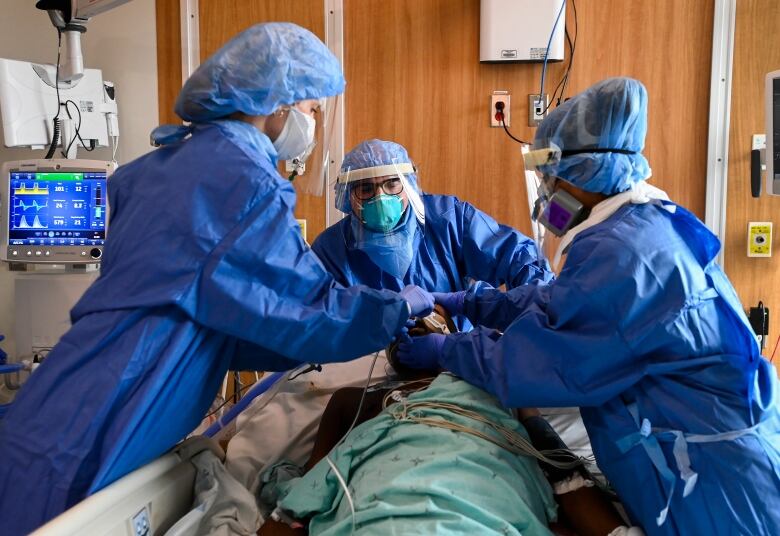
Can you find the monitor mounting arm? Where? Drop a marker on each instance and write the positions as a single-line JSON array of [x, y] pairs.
[[70, 18]]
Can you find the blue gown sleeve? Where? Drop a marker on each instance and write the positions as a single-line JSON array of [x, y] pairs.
[[498, 254], [330, 248], [262, 284], [568, 347], [248, 356], [496, 309]]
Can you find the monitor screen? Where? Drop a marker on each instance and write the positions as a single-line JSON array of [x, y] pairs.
[[57, 209]]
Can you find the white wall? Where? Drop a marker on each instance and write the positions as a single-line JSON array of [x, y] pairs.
[[122, 43]]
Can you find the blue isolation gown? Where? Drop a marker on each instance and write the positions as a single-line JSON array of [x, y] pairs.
[[458, 244], [644, 331], [204, 270]]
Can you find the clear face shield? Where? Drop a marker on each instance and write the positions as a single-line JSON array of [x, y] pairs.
[[310, 169], [553, 211], [386, 210]]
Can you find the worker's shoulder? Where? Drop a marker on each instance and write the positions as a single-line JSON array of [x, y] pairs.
[[243, 168], [332, 235], [440, 204], [639, 229]]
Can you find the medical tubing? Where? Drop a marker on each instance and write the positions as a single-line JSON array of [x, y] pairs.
[[512, 441], [10, 368], [233, 412], [342, 481], [343, 484], [362, 399]]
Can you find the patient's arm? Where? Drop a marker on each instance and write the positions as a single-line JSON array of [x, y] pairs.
[[335, 422], [338, 416], [587, 510], [274, 528]]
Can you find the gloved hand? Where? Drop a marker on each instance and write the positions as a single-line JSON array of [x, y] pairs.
[[420, 301], [422, 352], [452, 301]]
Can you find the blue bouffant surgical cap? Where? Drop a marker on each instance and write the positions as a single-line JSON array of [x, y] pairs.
[[368, 154], [262, 68], [611, 114]]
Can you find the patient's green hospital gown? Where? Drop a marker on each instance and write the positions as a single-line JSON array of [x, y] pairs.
[[411, 478]]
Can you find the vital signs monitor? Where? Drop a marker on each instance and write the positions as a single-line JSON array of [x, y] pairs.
[[54, 211]]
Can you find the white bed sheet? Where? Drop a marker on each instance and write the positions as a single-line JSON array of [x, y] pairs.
[[287, 426], [567, 422]]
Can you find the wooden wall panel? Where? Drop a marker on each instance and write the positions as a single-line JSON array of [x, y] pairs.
[[413, 76], [756, 52], [168, 58], [220, 20]]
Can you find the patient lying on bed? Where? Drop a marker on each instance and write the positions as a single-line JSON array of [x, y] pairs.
[[427, 457]]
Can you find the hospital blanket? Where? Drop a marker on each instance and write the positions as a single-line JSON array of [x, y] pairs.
[[410, 478]]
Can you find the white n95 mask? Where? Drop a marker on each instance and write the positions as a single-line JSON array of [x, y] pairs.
[[297, 137]]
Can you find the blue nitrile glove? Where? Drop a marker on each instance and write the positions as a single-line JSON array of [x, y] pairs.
[[404, 336], [420, 301], [422, 352], [451, 301]]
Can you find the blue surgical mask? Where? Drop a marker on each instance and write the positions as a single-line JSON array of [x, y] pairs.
[[382, 213]]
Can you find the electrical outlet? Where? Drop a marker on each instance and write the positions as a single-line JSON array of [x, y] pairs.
[[500, 96], [760, 239], [537, 109]]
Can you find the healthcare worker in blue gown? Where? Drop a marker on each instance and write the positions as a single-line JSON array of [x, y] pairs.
[[642, 329], [204, 270], [395, 235]]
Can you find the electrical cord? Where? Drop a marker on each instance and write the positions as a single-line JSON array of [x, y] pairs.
[[500, 119], [561, 82], [238, 386], [771, 360], [231, 399], [572, 49], [547, 50], [503, 124], [91, 146], [55, 135], [509, 439]]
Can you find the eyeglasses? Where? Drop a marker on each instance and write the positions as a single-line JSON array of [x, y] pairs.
[[365, 190]]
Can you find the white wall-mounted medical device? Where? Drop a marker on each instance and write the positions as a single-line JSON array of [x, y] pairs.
[[772, 98], [512, 31], [29, 104], [54, 211]]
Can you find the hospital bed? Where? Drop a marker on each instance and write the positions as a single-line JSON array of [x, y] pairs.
[[157, 498]]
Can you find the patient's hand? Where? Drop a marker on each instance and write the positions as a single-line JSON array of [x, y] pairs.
[[274, 528], [527, 413]]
